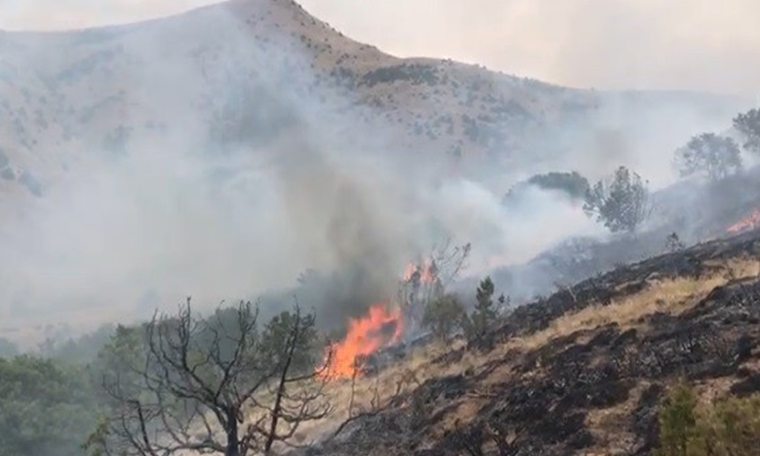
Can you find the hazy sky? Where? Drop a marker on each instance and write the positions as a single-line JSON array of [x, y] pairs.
[[711, 45]]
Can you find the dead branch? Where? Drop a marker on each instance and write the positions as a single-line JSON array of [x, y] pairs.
[[201, 377]]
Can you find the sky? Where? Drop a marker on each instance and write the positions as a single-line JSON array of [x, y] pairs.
[[704, 45]]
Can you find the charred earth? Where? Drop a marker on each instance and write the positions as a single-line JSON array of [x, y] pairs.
[[585, 370]]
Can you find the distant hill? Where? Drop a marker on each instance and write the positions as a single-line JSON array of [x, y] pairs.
[[243, 72]]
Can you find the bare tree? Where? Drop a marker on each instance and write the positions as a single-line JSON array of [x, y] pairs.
[[673, 243], [450, 260], [210, 386], [430, 278]]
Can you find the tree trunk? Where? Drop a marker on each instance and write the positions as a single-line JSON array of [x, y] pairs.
[[233, 442]]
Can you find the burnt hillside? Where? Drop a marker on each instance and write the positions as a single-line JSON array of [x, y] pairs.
[[583, 371]]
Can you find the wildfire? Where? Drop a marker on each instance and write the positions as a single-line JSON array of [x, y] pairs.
[[380, 328], [426, 273], [383, 326], [429, 272], [409, 272], [749, 223]]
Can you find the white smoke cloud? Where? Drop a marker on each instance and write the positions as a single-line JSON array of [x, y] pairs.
[[181, 214]]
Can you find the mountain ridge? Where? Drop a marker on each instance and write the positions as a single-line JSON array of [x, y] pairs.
[[461, 111]]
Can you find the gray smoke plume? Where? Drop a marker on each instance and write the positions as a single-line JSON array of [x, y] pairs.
[[233, 168]]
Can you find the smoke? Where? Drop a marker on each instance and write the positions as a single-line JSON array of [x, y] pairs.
[[230, 171], [49, 15]]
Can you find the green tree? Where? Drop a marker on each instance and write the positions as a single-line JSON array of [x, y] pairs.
[[572, 184], [274, 340], [730, 427], [733, 427], [678, 423], [482, 319], [46, 408], [83, 349], [622, 205], [443, 316], [7, 348], [485, 313], [116, 361], [748, 125], [717, 157]]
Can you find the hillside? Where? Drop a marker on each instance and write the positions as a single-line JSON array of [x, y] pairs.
[[581, 372], [694, 211], [249, 150], [244, 73]]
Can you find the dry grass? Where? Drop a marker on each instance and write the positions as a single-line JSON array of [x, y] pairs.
[[668, 296], [372, 393], [606, 425]]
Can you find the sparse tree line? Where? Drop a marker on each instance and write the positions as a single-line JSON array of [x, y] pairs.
[[717, 156], [226, 383], [621, 202]]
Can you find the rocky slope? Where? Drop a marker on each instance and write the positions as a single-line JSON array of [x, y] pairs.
[[583, 371], [244, 72]]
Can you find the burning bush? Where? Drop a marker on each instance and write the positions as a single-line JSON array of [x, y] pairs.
[[749, 223], [381, 328], [422, 283]]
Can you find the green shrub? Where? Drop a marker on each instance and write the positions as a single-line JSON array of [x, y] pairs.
[[443, 316], [478, 325], [678, 423], [46, 408], [730, 427]]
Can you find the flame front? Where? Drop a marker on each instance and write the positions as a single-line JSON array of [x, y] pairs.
[[380, 328], [749, 223]]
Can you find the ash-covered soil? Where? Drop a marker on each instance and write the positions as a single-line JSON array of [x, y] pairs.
[[585, 370]]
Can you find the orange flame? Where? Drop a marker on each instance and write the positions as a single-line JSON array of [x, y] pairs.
[[380, 328], [749, 223], [411, 268], [427, 272]]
